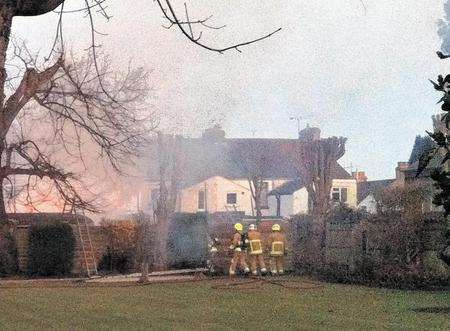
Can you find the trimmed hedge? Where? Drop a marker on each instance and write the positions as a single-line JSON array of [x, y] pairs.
[[187, 242], [388, 249], [117, 261], [122, 241], [51, 249], [8, 255]]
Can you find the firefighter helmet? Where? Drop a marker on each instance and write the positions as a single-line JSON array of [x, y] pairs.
[[276, 227], [252, 227], [238, 227]]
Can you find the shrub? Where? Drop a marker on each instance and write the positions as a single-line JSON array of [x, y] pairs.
[[51, 249], [187, 241], [8, 253], [114, 261], [122, 239], [395, 248]]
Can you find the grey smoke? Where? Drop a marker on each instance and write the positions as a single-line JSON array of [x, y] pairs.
[[444, 29]]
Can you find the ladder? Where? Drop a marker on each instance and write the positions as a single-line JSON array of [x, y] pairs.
[[90, 264]]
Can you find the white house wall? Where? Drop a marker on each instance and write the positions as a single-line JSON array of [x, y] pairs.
[[300, 202], [216, 189], [297, 203], [369, 204]]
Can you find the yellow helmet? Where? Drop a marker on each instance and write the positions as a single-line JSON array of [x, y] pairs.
[[238, 227], [276, 227]]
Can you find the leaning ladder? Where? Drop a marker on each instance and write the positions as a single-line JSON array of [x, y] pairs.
[[90, 272]]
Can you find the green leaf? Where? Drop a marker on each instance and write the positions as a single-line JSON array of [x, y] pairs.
[[436, 86], [425, 159], [439, 138]]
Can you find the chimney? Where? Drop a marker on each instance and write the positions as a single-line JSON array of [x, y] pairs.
[[360, 176], [214, 134], [400, 171]]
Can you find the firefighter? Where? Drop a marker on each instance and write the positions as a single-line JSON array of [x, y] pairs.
[[256, 250], [238, 247], [212, 256], [277, 249]]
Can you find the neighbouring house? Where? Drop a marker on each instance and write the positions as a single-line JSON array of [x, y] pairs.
[[367, 191], [405, 174], [291, 198], [214, 175]]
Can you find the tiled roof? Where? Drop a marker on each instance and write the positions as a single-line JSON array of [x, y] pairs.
[[288, 188], [236, 158], [366, 188]]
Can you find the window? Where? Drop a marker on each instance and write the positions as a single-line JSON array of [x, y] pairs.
[[339, 194], [201, 200], [231, 198]]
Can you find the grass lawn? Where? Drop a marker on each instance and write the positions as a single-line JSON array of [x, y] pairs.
[[194, 306]]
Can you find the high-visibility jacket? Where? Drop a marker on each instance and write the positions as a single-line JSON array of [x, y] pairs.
[[255, 243], [277, 243], [236, 242]]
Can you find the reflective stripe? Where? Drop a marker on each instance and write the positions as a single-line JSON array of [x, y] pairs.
[[277, 248], [255, 247]]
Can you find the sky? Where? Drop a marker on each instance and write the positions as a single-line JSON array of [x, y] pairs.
[[355, 69]]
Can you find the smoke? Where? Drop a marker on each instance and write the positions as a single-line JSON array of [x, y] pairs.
[[444, 29]]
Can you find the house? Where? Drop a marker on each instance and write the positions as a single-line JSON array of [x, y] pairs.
[[367, 191], [291, 198], [406, 174], [215, 174]]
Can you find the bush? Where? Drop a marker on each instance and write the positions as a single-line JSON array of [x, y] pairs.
[[8, 253], [394, 248], [117, 261], [187, 241], [51, 250], [122, 240]]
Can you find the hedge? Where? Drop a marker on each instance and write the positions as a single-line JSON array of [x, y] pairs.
[[8, 255], [51, 249], [187, 241]]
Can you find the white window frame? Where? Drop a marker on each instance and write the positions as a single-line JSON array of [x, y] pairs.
[[339, 190]]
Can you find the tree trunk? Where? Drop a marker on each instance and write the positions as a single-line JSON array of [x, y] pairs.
[[2, 179], [161, 261], [2, 202], [6, 15]]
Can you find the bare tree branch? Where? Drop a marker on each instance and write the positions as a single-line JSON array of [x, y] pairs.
[[171, 16]]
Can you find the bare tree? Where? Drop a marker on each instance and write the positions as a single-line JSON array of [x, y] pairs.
[[71, 111], [79, 102], [315, 160], [170, 157], [256, 158]]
